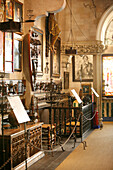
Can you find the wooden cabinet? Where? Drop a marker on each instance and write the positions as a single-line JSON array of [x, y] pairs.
[[14, 145]]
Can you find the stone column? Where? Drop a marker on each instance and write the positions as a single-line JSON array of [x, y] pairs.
[[97, 82]]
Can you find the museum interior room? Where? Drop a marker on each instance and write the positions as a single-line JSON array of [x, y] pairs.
[[56, 84]]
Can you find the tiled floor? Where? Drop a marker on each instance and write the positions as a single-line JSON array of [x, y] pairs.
[[51, 161]]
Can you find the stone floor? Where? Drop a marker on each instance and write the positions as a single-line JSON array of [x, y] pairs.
[[51, 160]]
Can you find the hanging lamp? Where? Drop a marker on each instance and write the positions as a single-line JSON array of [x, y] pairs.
[[71, 51]]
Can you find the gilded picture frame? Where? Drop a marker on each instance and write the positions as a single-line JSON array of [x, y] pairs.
[[9, 10], [18, 11], [86, 89]]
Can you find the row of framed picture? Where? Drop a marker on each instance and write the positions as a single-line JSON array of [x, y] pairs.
[[11, 10], [10, 43]]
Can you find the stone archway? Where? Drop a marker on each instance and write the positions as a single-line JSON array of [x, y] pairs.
[[105, 21]]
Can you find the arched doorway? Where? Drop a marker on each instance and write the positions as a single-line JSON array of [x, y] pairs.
[[105, 34]]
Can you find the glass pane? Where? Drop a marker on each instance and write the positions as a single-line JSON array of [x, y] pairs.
[[8, 67], [108, 75], [8, 46], [17, 54], [1, 51]]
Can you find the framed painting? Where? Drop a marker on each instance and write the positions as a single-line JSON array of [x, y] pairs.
[[55, 59], [17, 52], [18, 11], [9, 10], [82, 68], [66, 80], [36, 50], [1, 11], [86, 89]]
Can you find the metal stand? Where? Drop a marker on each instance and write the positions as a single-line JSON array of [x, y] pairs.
[[25, 133], [2, 111]]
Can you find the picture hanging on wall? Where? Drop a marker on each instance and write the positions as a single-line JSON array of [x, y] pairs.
[[18, 11], [55, 59], [66, 80], [36, 54], [9, 10], [86, 88], [82, 68], [36, 50], [1, 12]]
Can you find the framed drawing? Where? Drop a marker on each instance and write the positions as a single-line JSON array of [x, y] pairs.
[[66, 80], [17, 52], [82, 68], [36, 50], [9, 10], [18, 11], [55, 59], [36, 54]]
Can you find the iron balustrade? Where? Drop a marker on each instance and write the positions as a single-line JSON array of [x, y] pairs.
[[65, 117]]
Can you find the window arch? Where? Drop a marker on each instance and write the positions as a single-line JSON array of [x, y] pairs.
[[104, 23]]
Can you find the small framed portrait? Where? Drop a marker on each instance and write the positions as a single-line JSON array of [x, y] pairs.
[[86, 89], [66, 80], [82, 68], [55, 59], [9, 10], [1, 11], [18, 11]]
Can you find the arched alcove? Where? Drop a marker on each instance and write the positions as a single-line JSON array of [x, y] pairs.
[[104, 34], [103, 24]]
